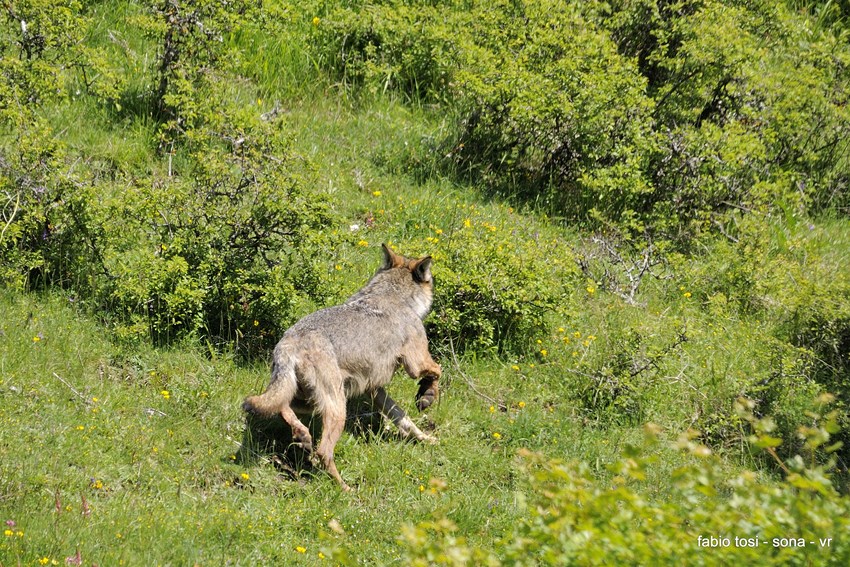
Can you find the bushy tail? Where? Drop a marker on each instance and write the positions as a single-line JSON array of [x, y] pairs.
[[281, 390]]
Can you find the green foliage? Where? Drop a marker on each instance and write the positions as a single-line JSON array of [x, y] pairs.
[[221, 240], [553, 107], [574, 517], [493, 289], [229, 253], [640, 113], [182, 172], [388, 45], [749, 102], [192, 57]]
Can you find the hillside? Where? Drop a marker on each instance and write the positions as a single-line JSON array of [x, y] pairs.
[[638, 218]]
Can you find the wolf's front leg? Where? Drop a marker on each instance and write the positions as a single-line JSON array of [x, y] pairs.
[[420, 366], [428, 391], [391, 409]]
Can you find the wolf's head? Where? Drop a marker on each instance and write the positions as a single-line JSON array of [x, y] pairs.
[[401, 280]]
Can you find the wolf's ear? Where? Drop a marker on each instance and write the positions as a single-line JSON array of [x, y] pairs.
[[391, 259], [422, 270]]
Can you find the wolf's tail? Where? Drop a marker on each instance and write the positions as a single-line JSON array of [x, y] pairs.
[[281, 390]]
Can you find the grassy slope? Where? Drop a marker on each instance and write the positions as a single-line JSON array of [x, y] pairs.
[[159, 471], [84, 417]]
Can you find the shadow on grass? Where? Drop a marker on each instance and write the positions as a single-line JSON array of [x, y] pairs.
[[271, 438]]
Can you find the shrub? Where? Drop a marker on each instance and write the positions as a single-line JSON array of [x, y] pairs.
[[554, 108], [228, 246], [573, 517], [406, 47], [749, 102], [221, 239], [494, 280]]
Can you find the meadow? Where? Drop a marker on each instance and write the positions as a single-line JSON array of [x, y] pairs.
[[637, 213]]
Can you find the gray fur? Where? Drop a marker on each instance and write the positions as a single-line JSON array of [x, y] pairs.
[[353, 349]]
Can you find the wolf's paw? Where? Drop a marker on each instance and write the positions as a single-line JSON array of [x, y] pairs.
[[425, 438], [425, 402], [304, 441], [427, 393]]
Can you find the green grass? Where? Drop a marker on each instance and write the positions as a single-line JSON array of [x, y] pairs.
[[149, 438]]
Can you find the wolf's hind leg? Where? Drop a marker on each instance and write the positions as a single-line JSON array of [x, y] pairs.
[[300, 434], [390, 409], [333, 422]]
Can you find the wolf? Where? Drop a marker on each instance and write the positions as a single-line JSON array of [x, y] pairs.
[[353, 349]]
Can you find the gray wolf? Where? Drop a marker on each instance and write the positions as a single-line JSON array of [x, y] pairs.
[[353, 349]]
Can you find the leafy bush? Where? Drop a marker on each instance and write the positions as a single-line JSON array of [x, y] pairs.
[[552, 106], [193, 55], [573, 517], [229, 252], [222, 240], [497, 278], [388, 45], [642, 113], [33, 189], [750, 104]]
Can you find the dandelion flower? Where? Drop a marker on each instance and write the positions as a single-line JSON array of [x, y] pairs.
[[301, 549], [376, 193], [362, 243], [543, 352], [166, 394], [521, 405], [515, 367], [497, 435], [245, 476], [316, 21]]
